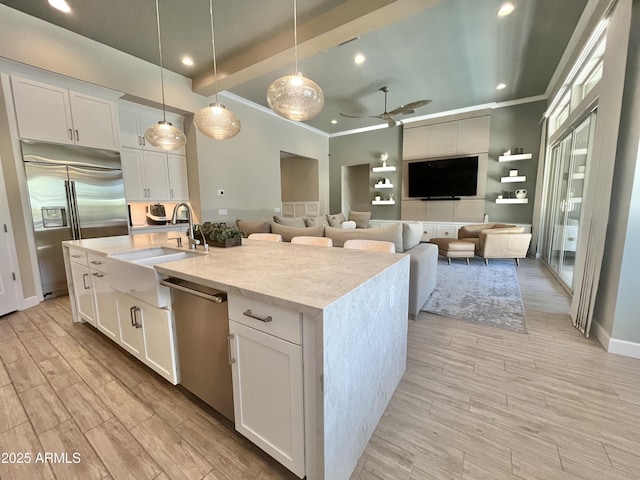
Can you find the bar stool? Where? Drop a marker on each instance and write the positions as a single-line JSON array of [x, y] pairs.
[[270, 237], [373, 245]]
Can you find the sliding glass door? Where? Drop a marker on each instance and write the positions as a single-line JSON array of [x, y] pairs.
[[567, 174]]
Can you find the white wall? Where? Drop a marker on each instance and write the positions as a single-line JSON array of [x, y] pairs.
[[247, 166]]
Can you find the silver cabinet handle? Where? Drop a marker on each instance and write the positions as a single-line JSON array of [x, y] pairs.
[[99, 275], [76, 256], [248, 313], [139, 140], [149, 192], [95, 262], [70, 134], [84, 280], [77, 136], [171, 193], [144, 141], [231, 359], [134, 317]]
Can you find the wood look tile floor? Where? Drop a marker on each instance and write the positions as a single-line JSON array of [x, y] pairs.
[[475, 403]]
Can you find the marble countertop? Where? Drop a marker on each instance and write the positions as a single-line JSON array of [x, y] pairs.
[[304, 278]]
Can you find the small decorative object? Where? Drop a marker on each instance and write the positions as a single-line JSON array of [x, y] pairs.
[[500, 197], [387, 181], [513, 172], [391, 197], [219, 234], [485, 219], [378, 196], [508, 152], [581, 169], [384, 157], [521, 193]]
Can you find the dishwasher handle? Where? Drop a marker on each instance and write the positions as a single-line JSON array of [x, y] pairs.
[[195, 289]]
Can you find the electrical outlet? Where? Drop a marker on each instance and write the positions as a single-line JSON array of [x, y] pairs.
[[276, 210], [221, 192], [223, 211]]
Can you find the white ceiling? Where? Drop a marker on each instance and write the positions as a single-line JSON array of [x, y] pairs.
[[453, 52]]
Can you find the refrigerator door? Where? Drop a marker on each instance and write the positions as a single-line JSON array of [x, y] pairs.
[[51, 222], [100, 206]]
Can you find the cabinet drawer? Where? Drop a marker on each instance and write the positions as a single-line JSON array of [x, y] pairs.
[[428, 232], [447, 231], [78, 255], [97, 262], [276, 321]]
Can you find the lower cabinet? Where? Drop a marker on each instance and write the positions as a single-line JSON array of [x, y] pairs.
[[268, 394], [82, 288], [106, 308], [148, 333]]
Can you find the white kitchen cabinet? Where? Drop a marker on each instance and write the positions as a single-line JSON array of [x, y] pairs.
[[130, 321], [447, 231], [178, 181], [268, 393], [53, 114], [104, 298], [133, 124], [82, 287], [145, 175]]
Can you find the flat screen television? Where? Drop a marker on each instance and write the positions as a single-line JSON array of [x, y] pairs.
[[450, 177]]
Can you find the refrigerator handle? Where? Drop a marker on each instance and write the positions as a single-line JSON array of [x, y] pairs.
[[70, 188]]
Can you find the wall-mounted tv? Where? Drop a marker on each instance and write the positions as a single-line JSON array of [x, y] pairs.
[[450, 177]]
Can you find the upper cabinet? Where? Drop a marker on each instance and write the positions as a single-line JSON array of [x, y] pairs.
[[459, 137], [133, 124], [54, 114]]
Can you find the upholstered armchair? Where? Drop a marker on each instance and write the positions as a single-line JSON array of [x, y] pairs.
[[497, 240]]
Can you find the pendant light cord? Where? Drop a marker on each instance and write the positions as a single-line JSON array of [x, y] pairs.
[[164, 113], [295, 34], [213, 47]]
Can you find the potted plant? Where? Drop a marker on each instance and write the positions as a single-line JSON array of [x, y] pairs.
[[219, 234]]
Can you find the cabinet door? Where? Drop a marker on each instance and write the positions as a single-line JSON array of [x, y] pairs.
[[82, 288], [130, 322], [268, 394], [178, 182], [95, 122], [159, 341], [145, 120], [106, 307], [473, 135], [130, 135], [42, 111], [443, 139], [133, 175], [154, 166], [446, 230], [415, 143]]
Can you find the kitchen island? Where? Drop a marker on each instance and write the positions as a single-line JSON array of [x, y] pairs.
[[340, 316]]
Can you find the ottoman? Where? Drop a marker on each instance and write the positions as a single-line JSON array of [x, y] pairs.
[[454, 248]]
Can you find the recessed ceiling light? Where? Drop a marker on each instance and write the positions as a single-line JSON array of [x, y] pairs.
[[506, 9], [188, 61], [359, 59], [334, 121], [61, 5], [501, 86]]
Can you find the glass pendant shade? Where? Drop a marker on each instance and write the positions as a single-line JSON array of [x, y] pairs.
[[165, 136], [216, 122], [295, 97]]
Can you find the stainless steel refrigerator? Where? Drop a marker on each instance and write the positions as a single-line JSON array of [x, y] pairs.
[[75, 193]]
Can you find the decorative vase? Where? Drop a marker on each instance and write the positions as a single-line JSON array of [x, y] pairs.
[[378, 197], [521, 193]]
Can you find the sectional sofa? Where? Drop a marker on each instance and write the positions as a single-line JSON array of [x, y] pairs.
[[405, 235]]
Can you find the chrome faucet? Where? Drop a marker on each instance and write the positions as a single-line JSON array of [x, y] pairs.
[[174, 219]]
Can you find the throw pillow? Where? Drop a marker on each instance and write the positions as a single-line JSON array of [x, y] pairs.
[[411, 234], [253, 226], [361, 218], [336, 219], [389, 233], [288, 232], [315, 221], [290, 221], [349, 225]]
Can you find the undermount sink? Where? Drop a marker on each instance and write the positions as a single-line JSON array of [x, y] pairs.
[[133, 273]]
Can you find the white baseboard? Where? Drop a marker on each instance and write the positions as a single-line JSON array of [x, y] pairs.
[[28, 302], [615, 346]]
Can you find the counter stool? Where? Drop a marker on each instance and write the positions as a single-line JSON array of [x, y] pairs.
[[454, 248]]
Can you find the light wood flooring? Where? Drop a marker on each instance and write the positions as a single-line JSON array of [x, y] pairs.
[[476, 402]]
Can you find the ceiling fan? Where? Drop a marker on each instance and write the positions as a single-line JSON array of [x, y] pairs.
[[388, 116]]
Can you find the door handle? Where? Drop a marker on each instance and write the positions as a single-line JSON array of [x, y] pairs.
[[229, 338], [249, 314], [84, 280]]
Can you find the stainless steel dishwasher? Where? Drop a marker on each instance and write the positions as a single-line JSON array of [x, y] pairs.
[[202, 328]]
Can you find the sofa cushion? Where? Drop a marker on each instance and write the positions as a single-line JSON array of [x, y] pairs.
[[411, 234], [348, 225], [290, 221], [336, 219], [288, 232], [361, 218], [388, 233], [253, 226], [315, 221]]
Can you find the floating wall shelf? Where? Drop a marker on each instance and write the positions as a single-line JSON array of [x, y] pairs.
[[520, 178], [383, 202], [513, 158], [384, 169], [383, 185], [512, 200], [578, 176]]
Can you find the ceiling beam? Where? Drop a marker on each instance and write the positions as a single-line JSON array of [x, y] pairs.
[[351, 19]]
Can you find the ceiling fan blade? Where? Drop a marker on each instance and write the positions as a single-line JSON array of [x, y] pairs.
[[409, 107], [350, 116]]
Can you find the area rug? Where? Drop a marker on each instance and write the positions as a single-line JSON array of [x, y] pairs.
[[487, 295]]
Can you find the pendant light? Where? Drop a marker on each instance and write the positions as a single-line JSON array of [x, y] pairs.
[[163, 135], [294, 96], [215, 121]]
